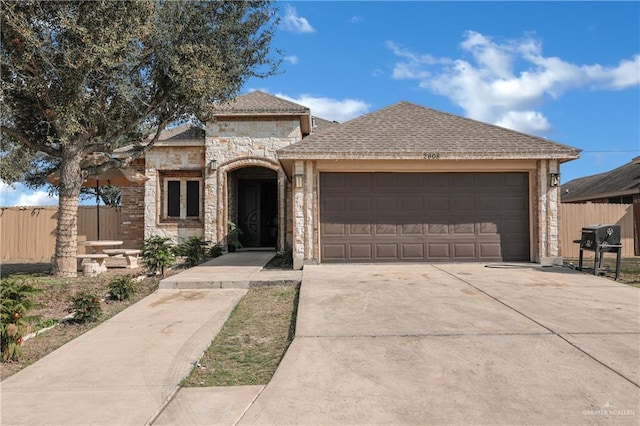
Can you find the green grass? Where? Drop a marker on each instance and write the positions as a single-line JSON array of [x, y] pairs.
[[252, 342], [629, 268]]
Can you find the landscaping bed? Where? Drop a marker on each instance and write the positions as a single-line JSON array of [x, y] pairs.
[[54, 304]]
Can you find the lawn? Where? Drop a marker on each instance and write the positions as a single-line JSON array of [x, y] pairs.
[[629, 268]]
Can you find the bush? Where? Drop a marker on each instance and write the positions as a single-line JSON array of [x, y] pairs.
[[16, 300], [193, 249], [215, 251], [157, 254], [122, 288], [85, 306]]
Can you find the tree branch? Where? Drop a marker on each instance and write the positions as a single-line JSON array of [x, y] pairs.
[[24, 140]]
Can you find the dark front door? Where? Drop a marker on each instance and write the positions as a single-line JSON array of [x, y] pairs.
[[257, 212]]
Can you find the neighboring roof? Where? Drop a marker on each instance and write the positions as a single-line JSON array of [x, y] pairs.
[[320, 124], [411, 131], [186, 134], [259, 103], [625, 180], [186, 131]]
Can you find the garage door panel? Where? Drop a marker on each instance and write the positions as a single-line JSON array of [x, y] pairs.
[[412, 251], [386, 227], [464, 251], [463, 228], [412, 229], [386, 251], [490, 251], [424, 216], [334, 252], [333, 229], [332, 206], [359, 205], [437, 229], [410, 204], [360, 229], [360, 252], [385, 205], [438, 251]]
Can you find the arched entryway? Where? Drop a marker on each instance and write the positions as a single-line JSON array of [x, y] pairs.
[[251, 193], [254, 191]]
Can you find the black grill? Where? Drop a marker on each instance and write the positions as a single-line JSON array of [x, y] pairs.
[[599, 236], [600, 239]]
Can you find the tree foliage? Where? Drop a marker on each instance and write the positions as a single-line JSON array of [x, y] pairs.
[[80, 77]]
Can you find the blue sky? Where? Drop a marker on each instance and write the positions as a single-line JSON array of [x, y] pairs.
[[566, 71]]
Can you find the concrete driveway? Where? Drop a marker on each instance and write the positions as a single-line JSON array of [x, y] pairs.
[[457, 344]]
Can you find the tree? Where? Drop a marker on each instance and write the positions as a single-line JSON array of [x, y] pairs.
[[80, 77]]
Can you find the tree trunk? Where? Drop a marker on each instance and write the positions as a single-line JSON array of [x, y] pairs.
[[65, 263]]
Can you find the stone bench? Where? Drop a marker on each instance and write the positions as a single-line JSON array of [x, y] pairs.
[[131, 255], [98, 258]]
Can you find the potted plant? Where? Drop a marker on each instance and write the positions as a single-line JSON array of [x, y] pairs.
[[233, 243]]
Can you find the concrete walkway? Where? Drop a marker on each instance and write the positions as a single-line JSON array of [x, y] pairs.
[[457, 344], [124, 371]]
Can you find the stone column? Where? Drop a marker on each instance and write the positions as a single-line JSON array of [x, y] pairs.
[[548, 215], [298, 195]]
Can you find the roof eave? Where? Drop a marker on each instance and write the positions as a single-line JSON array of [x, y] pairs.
[[372, 155], [610, 194]]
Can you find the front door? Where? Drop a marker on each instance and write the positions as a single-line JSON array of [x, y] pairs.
[[257, 212]]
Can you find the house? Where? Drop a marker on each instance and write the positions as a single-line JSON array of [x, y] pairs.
[[404, 183], [618, 186]]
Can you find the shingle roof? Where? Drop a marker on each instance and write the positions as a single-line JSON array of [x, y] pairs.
[[322, 124], [624, 180], [259, 103], [413, 131]]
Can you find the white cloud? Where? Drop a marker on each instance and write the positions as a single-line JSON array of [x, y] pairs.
[[504, 82], [356, 19], [525, 121], [330, 109], [292, 59], [19, 195], [294, 23]]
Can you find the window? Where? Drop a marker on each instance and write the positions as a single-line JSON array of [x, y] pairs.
[[182, 197]]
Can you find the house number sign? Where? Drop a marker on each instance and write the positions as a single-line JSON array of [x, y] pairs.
[[431, 155]]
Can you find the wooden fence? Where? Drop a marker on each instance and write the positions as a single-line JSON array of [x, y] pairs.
[[575, 216], [29, 233]]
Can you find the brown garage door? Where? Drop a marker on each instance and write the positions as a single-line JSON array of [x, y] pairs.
[[377, 217]]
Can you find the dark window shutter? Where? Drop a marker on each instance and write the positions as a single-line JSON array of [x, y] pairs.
[[173, 198], [193, 198]]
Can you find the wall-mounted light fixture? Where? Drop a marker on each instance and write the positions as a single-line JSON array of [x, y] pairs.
[[213, 164], [299, 180], [554, 179]]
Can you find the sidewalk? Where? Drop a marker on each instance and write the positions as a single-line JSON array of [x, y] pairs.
[[128, 368]]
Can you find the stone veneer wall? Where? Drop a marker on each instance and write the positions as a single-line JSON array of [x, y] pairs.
[[233, 139], [168, 158]]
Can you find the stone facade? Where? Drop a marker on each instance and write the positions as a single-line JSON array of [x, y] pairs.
[[232, 147]]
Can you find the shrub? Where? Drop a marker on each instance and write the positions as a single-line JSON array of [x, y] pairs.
[[16, 300], [85, 306], [215, 251], [194, 249], [122, 288], [157, 254]]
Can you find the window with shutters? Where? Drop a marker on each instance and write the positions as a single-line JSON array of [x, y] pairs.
[[181, 196]]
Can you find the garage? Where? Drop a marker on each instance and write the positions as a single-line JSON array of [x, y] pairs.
[[413, 217]]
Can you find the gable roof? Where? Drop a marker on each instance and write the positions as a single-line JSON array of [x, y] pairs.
[[259, 103], [409, 131], [624, 180]]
